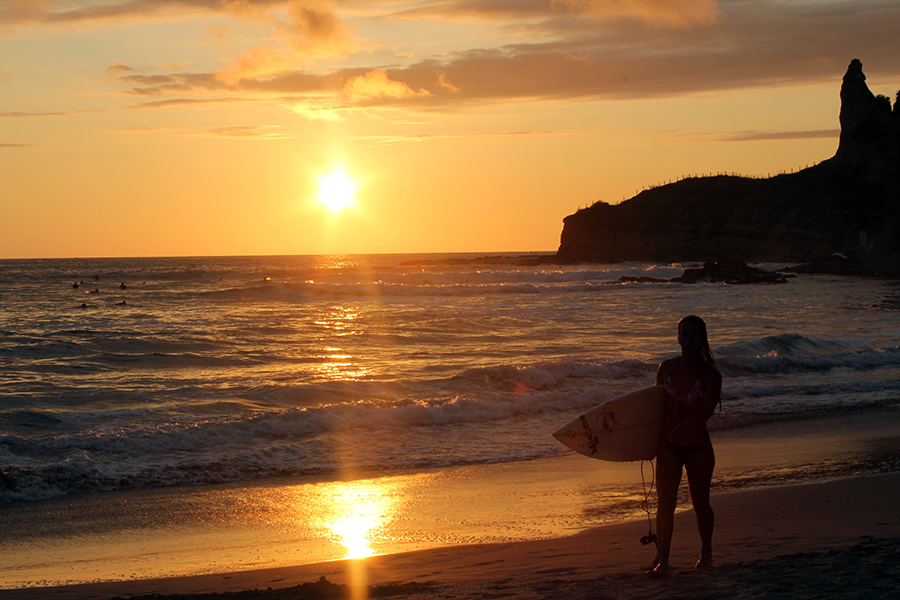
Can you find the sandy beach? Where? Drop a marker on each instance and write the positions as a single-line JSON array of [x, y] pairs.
[[837, 539]]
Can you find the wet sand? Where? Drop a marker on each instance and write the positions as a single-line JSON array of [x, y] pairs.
[[835, 539]]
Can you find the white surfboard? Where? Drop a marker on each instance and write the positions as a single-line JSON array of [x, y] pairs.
[[623, 429]]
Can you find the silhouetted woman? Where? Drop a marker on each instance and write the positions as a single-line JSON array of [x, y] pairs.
[[693, 387]]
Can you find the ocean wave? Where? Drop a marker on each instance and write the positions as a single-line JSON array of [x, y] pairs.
[[485, 414], [190, 433], [545, 376], [794, 353], [327, 441], [108, 450], [787, 344]]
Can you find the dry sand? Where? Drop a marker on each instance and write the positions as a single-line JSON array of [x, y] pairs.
[[838, 539]]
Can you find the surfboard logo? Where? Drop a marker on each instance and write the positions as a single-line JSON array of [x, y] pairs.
[[591, 438], [635, 419], [609, 420]]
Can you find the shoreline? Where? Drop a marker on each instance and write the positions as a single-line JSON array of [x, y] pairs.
[[764, 526]]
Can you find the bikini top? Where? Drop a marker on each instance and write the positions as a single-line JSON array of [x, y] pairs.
[[693, 396]]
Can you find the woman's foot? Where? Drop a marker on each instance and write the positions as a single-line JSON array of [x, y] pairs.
[[658, 572], [706, 560]]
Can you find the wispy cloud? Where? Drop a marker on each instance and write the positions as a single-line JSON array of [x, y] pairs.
[[117, 70], [677, 13], [25, 115], [173, 102], [91, 11], [29, 115], [310, 30], [765, 136], [392, 139], [256, 132]]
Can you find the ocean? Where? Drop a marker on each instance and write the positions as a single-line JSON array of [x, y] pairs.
[[183, 381]]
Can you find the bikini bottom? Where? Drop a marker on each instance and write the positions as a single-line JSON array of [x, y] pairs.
[[685, 452]]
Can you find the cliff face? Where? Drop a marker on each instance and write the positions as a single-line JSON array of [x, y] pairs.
[[849, 204]]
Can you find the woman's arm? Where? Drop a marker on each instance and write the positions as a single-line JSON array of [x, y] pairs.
[[665, 368], [685, 431], [713, 393]]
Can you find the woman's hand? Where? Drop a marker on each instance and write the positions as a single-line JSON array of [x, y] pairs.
[[683, 434]]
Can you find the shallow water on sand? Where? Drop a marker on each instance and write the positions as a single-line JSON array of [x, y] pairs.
[[210, 529]]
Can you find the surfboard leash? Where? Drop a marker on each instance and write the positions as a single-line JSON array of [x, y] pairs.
[[650, 538]]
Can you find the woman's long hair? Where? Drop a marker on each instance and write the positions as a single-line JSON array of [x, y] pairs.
[[707, 353]]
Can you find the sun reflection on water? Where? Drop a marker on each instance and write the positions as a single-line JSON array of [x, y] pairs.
[[338, 363], [357, 514]]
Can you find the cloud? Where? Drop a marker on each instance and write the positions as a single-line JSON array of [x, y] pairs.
[[443, 83], [255, 63], [576, 49], [177, 66], [391, 139], [376, 84], [729, 46], [2, 145], [27, 115], [678, 13], [156, 85], [302, 30], [316, 110], [257, 132], [749, 45], [755, 136], [172, 102], [311, 31], [92, 11], [72, 11], [118, 69]]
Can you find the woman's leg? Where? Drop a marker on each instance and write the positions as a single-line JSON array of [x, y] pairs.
[[699, 469], [668, 477]]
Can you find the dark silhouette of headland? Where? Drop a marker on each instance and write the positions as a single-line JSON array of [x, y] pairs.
[[839, 216]]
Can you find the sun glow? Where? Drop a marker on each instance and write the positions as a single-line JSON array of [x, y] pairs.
[[358, 513], [337, 191]]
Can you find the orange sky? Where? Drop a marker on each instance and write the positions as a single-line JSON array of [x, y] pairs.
[[204, 127]]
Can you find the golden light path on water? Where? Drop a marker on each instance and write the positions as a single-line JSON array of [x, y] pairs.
[[338, 365]]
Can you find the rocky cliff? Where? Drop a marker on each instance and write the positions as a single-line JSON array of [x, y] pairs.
[[848, 204]]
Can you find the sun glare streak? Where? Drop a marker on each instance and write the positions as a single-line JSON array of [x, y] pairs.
[[337, 191]]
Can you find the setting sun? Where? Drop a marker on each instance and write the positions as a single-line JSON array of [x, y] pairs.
[[337, 191]]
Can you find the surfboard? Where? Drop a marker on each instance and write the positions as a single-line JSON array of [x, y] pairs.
[[623, 429]]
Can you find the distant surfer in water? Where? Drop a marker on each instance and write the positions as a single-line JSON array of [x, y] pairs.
[[693, 388]]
